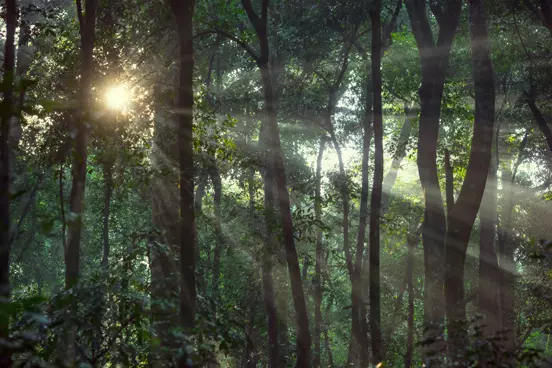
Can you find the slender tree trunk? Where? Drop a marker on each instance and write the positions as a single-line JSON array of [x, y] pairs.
[[364, 277], [183, 12], [449, 182], [358, 349], [108, 163], [345, 201], [489, 273], [327, 343], [87, 21], [277, 166], [76, 199], [542, 124], [412, 242], [270, 247], [217, 185], [434, 58], [462, 216], [10, 7], [318, 292], [375, 203], [198, 207]]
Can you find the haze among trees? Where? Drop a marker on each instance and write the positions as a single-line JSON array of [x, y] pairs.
[[276, 183]]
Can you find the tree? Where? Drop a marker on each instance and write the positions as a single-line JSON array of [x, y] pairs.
[[375, 204], [277, 166], [6, 114], [87, 24], [463, 214], [183, 12], [434, 59]]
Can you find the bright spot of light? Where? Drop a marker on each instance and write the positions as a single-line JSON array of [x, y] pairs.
[[117, 97]]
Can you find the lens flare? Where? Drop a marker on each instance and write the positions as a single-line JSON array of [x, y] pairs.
[[117, 97]]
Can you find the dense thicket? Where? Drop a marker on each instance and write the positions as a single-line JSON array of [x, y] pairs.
[[275, 183]]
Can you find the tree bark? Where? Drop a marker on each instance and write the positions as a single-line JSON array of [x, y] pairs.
[[183, 13], [449, 182], [277, 166], [87, 22], [270, 247], [434, 58], [318, 292], [542, 124], [217, 185], [358, 332], [108, 163], [375, 203], [412, 242], [489, 273], [6, 112], [164, 250], [462, 217]]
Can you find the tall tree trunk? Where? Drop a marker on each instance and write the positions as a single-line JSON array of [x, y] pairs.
[[375, 203], [489, 274], [449, 182], [109, 161], [163, 259], [183, 12], [462, 217], [219, 245], [412, 242], [198, 207], [359, 351], [270, 247], [6, 114], [277, 166], [318, 292], [87, 22], [434, 58]]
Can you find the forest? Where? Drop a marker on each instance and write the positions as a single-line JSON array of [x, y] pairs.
[[275, 183]]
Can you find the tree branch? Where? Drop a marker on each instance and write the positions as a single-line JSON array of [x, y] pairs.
[[241, 43]]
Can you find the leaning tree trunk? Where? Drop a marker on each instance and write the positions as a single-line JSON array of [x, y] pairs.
[[462, 217], [277, 167], [375, 203], [183, 12], [434, 58], [542, 124], [6, 114]]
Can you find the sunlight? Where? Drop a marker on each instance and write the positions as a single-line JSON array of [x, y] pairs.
[[117, 97]]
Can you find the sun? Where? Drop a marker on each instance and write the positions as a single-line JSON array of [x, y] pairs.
[[117, 97]]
